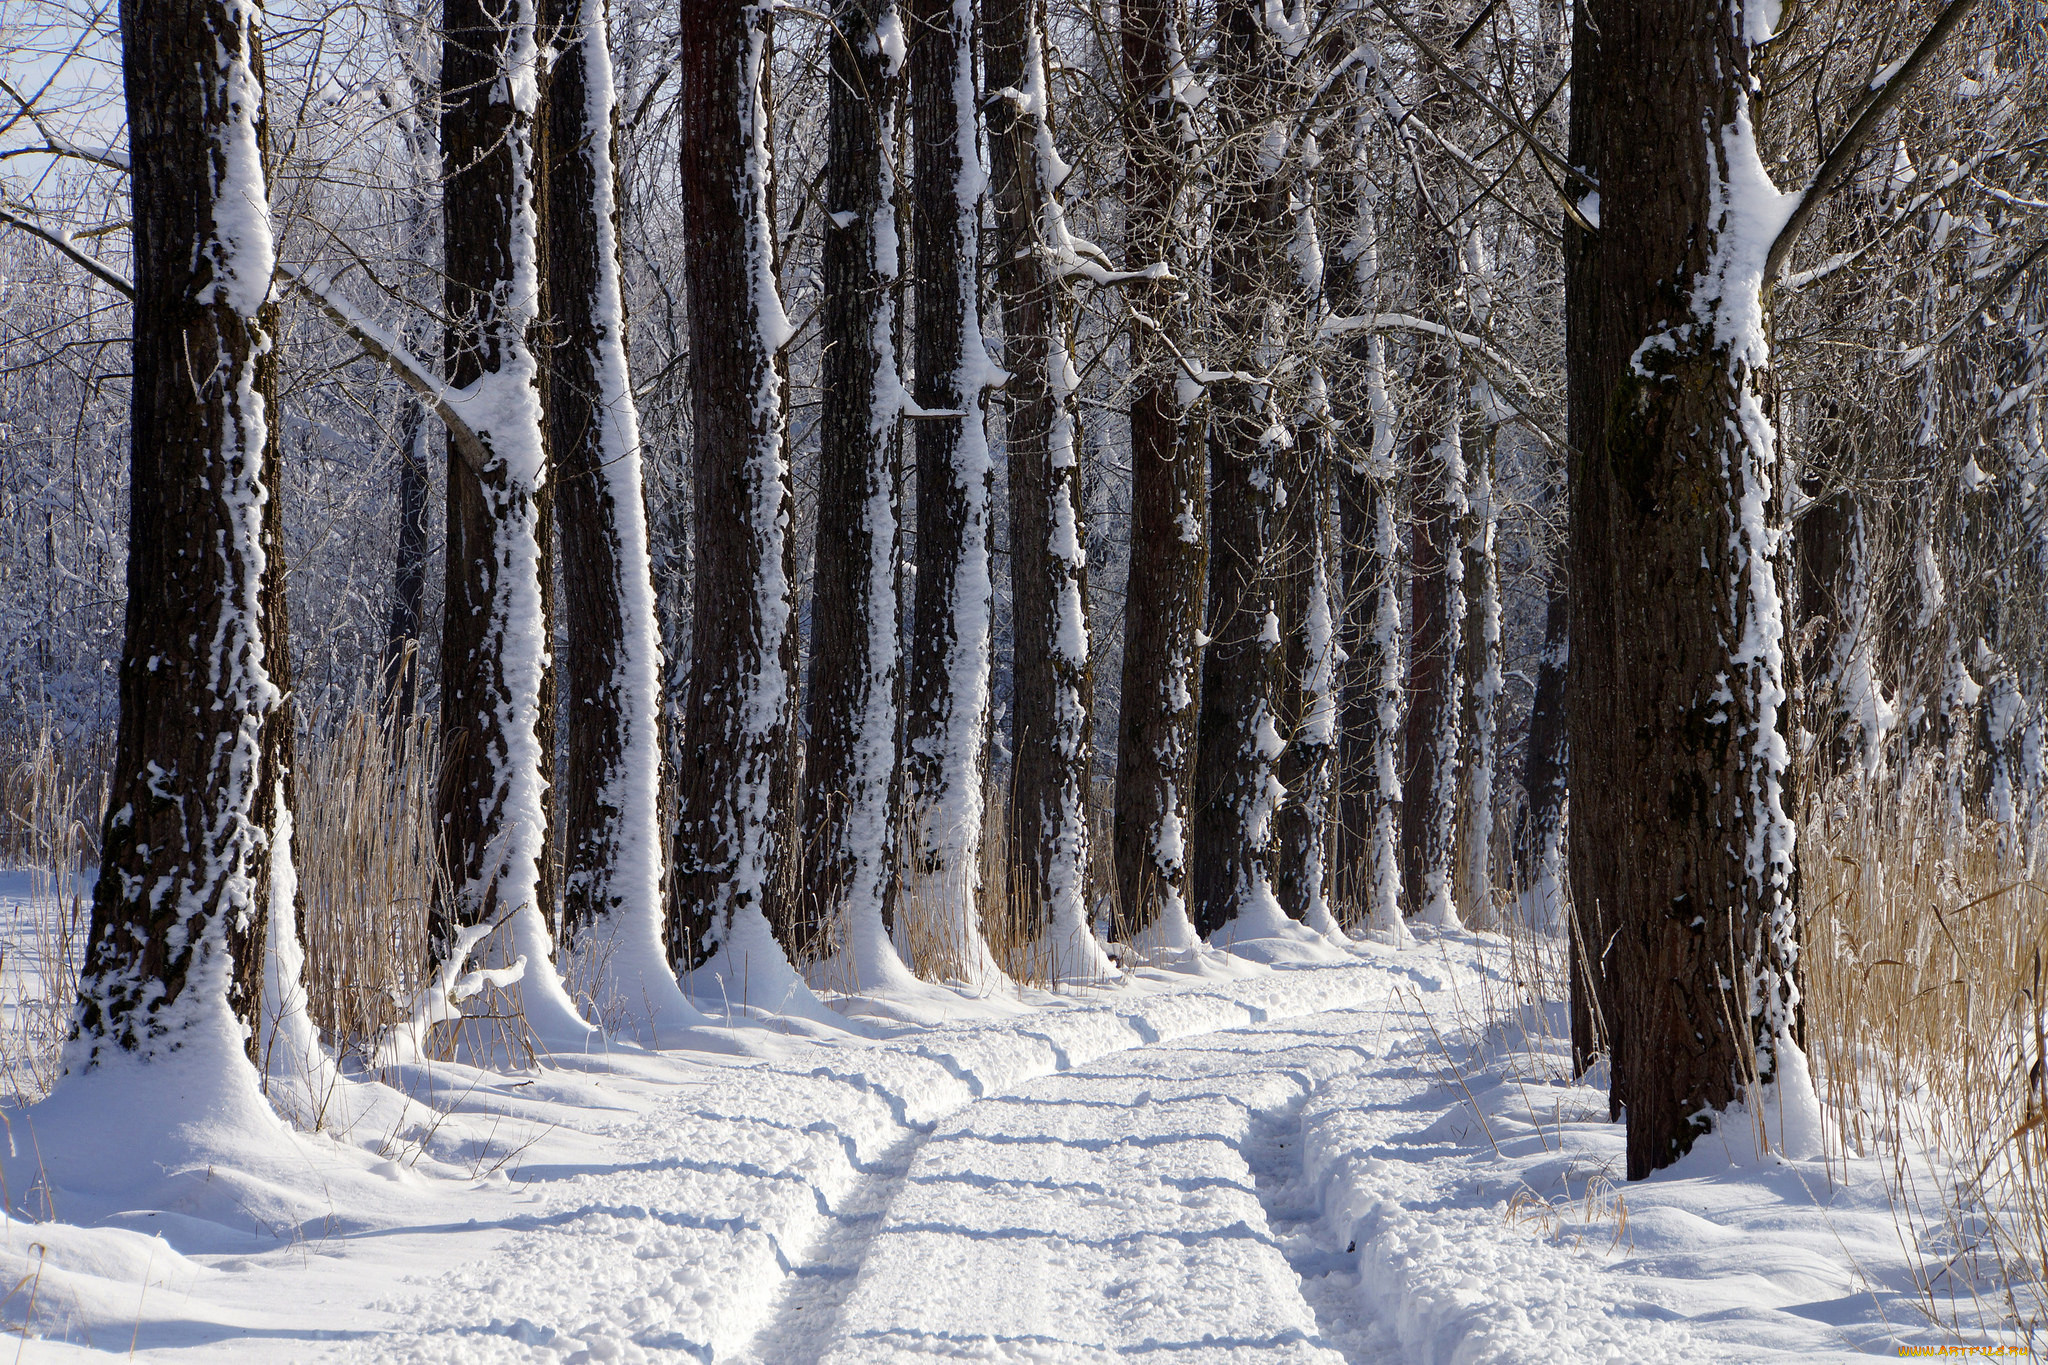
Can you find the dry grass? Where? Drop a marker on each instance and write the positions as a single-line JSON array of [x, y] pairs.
[[1923, 977], [52, 796], [365, 855], [1923, 973]]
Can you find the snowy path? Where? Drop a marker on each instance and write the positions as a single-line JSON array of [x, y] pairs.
[[1312, 1164], [1089, 1185], [1115, 1211]]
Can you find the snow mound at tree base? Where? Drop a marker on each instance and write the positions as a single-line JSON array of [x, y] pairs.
[[186, 1145]]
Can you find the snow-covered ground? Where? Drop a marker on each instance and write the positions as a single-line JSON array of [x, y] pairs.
[[1321, 1163]]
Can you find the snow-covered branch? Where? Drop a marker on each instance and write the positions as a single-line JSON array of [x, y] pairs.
[[1885, 92], [68, 245], [384, 347]]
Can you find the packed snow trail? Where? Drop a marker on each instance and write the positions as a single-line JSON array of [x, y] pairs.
[[1335, 1163], [1109, 1212]]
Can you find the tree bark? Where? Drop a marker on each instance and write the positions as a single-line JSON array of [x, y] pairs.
[[1368, 872], [1429, 780], [403, 661], [733, 843], [1051, 714], [174, 952], [1169, 551], [1587, 575], [1479, 682], [851, 765], [612, 908], [1679, 759], [1307, 768], [409, 579], [1237, 791], [947, 702], [497, 693]]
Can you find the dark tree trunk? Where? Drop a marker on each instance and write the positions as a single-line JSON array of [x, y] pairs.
[[1369, 792], [174, 953], [412, 103], [1679, 758], [611, 665], [409, 586], [1367, 836], [478, 150], [1169, 552], [733, 844], [947, 699], [1429, 778], [1051, 720], [1540, 850], [1587, 576], [613, 912], [497, 689], [1242, 672], [1301, 840], [1545, 763], [850, 765]]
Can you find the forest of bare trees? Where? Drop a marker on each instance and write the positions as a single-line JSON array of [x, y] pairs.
[[1008, 491]]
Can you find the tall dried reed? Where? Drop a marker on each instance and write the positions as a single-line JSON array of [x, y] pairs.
[[1923, 977], [365, 853], [52, 797]]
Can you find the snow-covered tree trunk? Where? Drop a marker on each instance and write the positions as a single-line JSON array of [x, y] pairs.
[[1437, 412], [1369, 702], [1687, 785], [1302, 842], [1308, 705], [1051, 721], [1169, 550], [612, 911], [732, 837], [850, 764], [1479, 684], [493, 802], [1237, 791], [174, 954], [1436, 462], [1544, 767], [947, 702]]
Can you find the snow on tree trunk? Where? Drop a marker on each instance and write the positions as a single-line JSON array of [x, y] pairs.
[[1691, 780], [1308, 765], [1429, 813], [1480, 683], [611, 908], [1254, 279], [946, 726], [1544, 766], [1169, 551], [493, 801], [1051, 723], [851, 770], [1301, 853], [1369, 776], [733, 841], [192, 848]]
